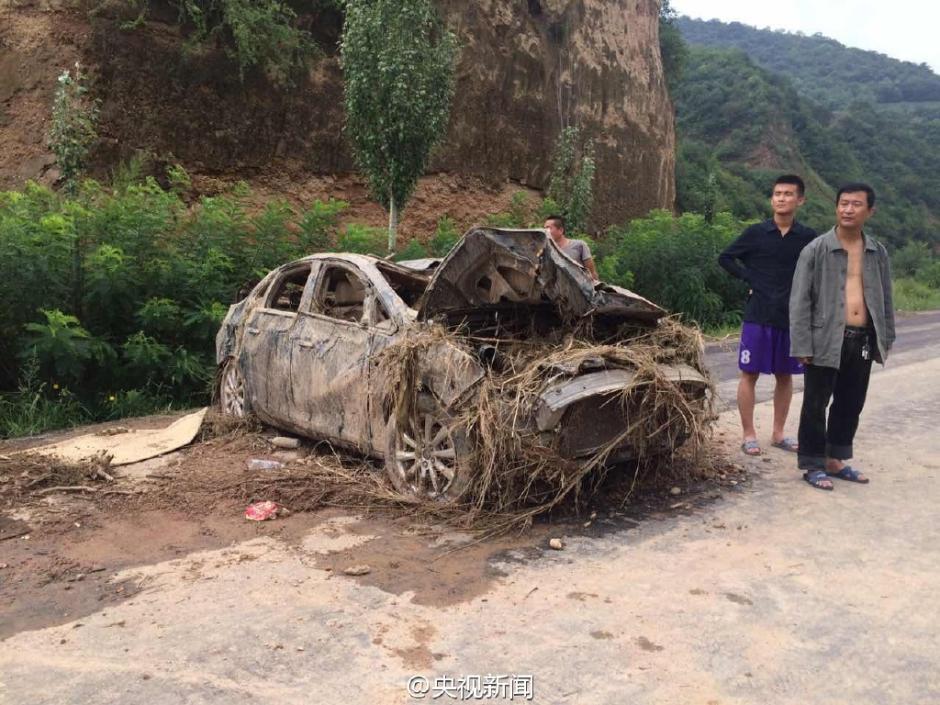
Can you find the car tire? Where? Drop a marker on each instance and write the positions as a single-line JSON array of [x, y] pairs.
[[426, 457], [233, 394]]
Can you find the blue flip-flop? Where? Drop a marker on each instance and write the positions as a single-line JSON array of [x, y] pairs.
[[816, 478], [849, 474], [751, 448]]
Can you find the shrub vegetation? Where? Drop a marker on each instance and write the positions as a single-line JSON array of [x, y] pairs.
[[132, 326]]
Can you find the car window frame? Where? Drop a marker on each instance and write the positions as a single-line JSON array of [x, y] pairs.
[[368, 285], [275, 282]]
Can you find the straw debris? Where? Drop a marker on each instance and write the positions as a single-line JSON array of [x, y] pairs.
[[25, 475], [217, 425], [515, 469]]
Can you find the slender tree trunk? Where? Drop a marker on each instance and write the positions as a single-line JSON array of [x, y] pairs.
[[392, 223], [77, 275]]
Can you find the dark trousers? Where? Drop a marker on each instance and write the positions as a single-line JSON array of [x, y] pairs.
[[847, 387]]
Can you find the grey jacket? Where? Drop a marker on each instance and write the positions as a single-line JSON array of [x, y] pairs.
[[817, 300]]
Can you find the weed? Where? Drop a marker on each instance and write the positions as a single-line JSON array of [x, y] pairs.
[[913, 295]]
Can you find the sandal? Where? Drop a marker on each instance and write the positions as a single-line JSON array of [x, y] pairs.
[[751, 448], [849, 474], [816, 478], [788, 444]]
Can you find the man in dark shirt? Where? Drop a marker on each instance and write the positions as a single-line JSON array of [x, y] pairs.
[[765, 257]]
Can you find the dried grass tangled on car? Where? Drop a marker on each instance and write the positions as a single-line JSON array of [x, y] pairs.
[[513, 471]]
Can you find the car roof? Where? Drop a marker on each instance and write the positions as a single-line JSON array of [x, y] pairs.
[[365, 261], [352, 257], [420, 265]]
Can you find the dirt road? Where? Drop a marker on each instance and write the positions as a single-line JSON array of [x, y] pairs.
[[769, 592], [918, 338]]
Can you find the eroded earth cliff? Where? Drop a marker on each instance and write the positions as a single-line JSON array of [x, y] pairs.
[[527, 69]]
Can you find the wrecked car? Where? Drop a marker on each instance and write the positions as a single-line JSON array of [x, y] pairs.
[[389, 359]]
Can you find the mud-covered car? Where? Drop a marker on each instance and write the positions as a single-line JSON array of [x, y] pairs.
[[309, 350]]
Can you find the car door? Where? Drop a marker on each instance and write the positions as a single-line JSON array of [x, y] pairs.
[[266, 349], [329, 351], [383, 333]]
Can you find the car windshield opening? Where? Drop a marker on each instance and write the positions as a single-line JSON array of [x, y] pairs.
[[408, 286]]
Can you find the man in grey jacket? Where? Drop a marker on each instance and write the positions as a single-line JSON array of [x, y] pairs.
[[841, 318]]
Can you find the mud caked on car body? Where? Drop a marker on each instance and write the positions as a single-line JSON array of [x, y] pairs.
[[300, 351]]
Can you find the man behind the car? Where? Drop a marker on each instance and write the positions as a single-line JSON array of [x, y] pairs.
[[577, 250], [765, 257]]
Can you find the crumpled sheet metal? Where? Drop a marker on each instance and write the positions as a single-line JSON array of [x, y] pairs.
[[491, 266], [559, 395]]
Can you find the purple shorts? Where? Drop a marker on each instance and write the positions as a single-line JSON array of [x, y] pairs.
[[766, 350]]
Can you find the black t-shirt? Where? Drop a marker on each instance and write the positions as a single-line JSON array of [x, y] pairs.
[[766, 260]]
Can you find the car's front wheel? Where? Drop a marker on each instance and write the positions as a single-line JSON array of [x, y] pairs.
[[233, 395], [427, 457]]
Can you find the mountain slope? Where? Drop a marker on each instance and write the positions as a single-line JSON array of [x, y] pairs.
[[821, 68], [739, 124]]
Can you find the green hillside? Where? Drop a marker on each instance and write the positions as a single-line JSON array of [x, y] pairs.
[[740, 122], [821, 68]]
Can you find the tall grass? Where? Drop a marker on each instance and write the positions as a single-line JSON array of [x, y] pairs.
[[913, 295]]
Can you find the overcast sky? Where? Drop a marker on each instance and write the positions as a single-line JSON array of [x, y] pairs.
[[903, 29]]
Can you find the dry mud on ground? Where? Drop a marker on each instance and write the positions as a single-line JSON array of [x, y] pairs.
[[62, 551], [764, 591]]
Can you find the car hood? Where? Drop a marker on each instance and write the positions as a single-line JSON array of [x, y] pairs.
[[491, 268]]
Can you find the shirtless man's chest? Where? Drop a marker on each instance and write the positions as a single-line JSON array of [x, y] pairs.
[[856, 312]]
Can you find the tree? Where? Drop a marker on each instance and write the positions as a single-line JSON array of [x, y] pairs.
[[263, 34], [73, 133], [672, 47], [398, 62], [571, 186]]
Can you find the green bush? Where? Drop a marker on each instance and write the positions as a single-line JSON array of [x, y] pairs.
[[319, 224], [910, 259], [363, 240], [549, 206], [445, 237], [413, 250], [263, 34], [519, 214], [36, 406], [674, 262], [136, 402], [929, 274], [912, 295], [116, 294], [64, 350]]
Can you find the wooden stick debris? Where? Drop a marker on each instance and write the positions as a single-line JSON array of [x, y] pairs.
[[67, 488]]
